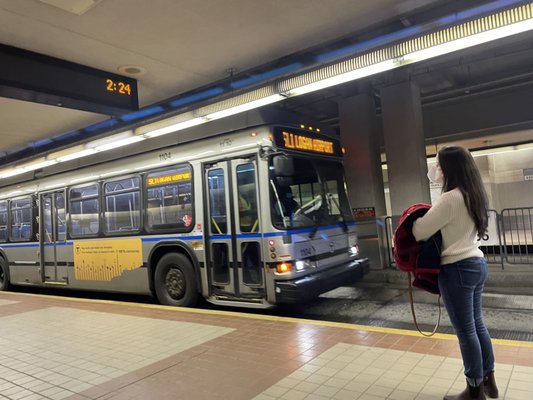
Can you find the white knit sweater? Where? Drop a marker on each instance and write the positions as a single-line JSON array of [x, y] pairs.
[[459, 236]]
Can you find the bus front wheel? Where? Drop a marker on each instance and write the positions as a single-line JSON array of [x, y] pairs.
[[4, 280], [174, 281]]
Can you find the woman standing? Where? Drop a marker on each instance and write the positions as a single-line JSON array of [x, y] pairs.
[[461, 215]]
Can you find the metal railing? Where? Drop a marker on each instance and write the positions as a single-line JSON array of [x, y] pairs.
[[517, 234], [509, 238]]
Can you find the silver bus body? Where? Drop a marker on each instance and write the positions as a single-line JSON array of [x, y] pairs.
[[259, 263]]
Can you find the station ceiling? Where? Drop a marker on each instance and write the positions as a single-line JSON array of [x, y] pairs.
[[181, 45]]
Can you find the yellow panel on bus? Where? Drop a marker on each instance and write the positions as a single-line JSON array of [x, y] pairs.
[[103, 260]]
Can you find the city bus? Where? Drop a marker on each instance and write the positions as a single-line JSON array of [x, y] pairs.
[[256, 217]]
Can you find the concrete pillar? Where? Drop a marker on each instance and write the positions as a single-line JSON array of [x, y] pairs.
[[362, 162], [363, 173], [404, 146]]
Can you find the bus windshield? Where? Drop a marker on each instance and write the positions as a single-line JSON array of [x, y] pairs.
[[307, 192]]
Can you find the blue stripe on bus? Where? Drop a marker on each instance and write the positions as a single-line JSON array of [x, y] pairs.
[[239, 236], [220, 237], [159, 239], [250, 236], [20, 245], [196, 237], [34, 244]]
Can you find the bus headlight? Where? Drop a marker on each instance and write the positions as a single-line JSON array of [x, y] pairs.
[[353, 247], [295, 266], [300, 265]]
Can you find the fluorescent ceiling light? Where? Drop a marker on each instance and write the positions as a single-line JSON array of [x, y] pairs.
[[39, 165], [245, 107], [343, 78], [109, 139], [12, 172], [173, 128], [119, 143], [32, 166], [466, 42], [77, 154]]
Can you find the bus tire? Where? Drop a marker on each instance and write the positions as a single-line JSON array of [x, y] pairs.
[[174, 281], [4, 275]]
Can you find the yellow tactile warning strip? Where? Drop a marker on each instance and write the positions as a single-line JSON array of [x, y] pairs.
[[250, 356], [343, 325]]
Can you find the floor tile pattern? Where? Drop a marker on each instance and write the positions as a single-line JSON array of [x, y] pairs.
[[76, 349], [56, 352], [352, 372]]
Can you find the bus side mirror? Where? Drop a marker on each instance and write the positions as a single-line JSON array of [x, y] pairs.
[[283, 166]]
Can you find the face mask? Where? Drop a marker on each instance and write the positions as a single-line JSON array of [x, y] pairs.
[[435, 175]]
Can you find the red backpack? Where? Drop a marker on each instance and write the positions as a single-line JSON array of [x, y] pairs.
[[422, 259], [419, 259]]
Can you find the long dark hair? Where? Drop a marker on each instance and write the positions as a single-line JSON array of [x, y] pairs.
[[460, 171]]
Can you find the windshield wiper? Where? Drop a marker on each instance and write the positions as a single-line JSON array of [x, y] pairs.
[[343, 220], [282, 214]]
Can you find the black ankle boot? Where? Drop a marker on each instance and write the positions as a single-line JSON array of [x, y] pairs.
[[489, 384], [470, 393]]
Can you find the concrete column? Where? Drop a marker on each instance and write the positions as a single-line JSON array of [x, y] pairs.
[[404, 146], [363, 173], [362, 162]]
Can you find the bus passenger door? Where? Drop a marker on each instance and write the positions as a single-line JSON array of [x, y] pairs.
[[52, 238], [232, 230]]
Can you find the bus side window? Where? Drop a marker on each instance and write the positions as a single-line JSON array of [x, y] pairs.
[[61, 217], [217, 201], [21, 219], [84, 210], [122, 205], [170, 200], [248, 218], [3, 221]]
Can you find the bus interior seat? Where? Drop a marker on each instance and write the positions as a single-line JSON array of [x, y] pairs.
[[25, 231]]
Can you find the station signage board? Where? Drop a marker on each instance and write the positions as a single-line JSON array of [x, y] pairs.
[[29, 76]]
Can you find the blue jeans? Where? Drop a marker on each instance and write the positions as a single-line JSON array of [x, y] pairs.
[[461, 285]]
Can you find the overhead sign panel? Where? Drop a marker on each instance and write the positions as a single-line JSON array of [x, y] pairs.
[[29, 76]]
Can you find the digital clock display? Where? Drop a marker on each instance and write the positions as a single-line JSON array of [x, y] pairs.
[[118, 87], [30, 76]]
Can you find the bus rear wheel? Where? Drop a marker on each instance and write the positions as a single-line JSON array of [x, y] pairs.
[[4, 280], [174, 281]]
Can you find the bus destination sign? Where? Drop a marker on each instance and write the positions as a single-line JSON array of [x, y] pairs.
[[162, 180], [299, 140]]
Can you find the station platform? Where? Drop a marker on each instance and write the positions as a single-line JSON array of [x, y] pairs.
[[78, 349]]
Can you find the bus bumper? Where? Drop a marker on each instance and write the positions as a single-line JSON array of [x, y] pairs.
[[308, 287]]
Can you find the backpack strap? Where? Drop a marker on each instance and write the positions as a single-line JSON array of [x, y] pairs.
[[411, 301]]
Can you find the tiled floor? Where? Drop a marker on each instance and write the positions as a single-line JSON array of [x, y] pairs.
[[61, 348]]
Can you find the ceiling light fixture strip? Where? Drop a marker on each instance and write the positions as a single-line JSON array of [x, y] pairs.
[[397, 51], [240, 103], [236, 101]]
